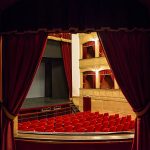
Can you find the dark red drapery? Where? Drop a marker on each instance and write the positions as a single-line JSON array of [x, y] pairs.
[[67, 59], [101, 49], [22, 54], [128, 53]]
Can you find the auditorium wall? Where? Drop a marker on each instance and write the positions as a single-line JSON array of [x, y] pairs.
[[102, 100]]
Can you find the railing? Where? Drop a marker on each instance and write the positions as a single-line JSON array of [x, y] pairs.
[[45, 112]]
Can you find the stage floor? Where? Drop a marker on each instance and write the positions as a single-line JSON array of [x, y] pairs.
[[42, 101]]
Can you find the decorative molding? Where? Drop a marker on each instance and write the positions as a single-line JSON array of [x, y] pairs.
[[94, 63], [59, 39]]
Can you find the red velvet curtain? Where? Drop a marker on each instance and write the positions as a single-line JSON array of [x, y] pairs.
[[22, 54], [101, 49], [128, 53], [67, 59]]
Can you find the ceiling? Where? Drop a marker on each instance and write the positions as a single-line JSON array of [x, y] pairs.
[[73, 15]]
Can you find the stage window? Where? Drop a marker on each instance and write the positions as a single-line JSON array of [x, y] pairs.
[[89, 80]]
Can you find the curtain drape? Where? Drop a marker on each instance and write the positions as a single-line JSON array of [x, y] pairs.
[[128, 54], [67, 59], [22, 54], [101, 49]]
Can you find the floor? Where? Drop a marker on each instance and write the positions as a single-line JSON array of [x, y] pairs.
[[42, 101]]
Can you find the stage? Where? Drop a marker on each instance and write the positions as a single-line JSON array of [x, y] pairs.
[[42, 102]]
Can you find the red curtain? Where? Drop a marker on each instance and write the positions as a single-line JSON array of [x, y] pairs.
[[22, 54], [128, 53], [67, 59], [101, 49]]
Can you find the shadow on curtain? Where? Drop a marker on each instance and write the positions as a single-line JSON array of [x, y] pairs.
[[22, 54], [128, 53]]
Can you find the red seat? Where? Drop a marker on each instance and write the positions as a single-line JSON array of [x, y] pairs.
[[117, 121], [128, 118], [58, 125], [116, 115], [119, 127], [105, 124], [69, 128], [98, 127], [86, 123], [132, 124], [75, 121], [105, 118], [49, 130], [111, 123], [61, 129], [111, 117], [23, 127], [123, 120], [112, 129], [105, 130], [34, 125], [30, 129], [99, 120], [80, 129], [90, 128], [106, 114], [78, 125], [40, 129], [126, 126]]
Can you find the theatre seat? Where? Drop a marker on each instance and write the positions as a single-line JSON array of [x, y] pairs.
[[61, 129], [80, 122], [112, 129]]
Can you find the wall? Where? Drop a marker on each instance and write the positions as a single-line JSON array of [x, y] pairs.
[[59, 82], [53, 49], [37, 88], [102, 100]]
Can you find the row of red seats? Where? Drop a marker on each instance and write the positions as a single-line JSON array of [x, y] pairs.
[[80, 122]]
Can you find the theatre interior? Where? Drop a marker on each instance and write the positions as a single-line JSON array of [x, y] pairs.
[[74, 82]]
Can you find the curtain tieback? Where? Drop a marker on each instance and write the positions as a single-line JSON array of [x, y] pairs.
[[7, 113], [143, 111]]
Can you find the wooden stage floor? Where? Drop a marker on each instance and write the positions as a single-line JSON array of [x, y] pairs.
[[42, 102]]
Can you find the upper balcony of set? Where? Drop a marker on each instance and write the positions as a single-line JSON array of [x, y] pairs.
[[91, 51]]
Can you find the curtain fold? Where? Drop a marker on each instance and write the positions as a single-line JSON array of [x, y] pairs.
[[128, 54], [67, 59], [22, 54], [101, 49]]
